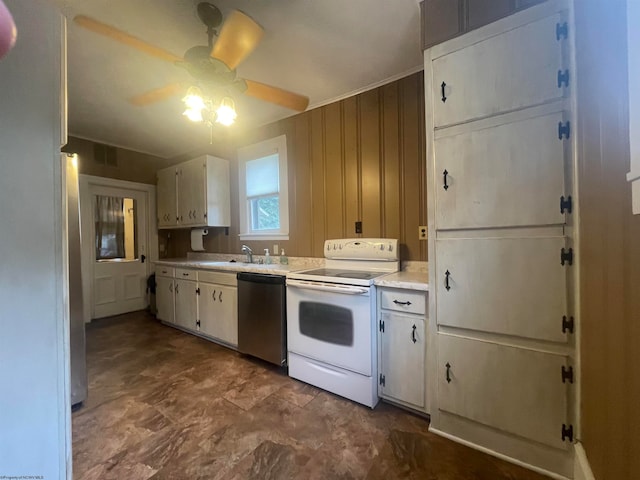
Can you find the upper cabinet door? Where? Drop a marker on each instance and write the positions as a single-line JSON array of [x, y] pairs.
[[510, 71], [501, 175], [191, 194], [166, 198]]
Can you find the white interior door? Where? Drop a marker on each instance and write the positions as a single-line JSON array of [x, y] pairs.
[[119, 241]]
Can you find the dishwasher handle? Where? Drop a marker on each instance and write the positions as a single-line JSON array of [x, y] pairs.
[[325, 287], [261, 278]]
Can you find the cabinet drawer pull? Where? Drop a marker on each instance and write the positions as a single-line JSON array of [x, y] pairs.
[[448, 372], [220, 296], [447, 274], [413, 334], [397, 302], [214, 295], [444, 174], [185, 274], [444, 96]]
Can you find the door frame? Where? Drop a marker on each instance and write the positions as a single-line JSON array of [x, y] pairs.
[[87, 185]]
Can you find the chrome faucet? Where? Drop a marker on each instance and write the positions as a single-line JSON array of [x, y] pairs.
[[249, 252]]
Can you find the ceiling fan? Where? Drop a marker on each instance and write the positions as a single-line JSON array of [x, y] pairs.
[[213, 66]]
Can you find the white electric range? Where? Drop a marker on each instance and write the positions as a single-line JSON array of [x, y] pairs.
[[331, 312]]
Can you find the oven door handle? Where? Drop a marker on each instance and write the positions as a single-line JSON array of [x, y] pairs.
[[323, 287]]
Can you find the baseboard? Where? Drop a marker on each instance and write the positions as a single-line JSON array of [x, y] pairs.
[[501, 456], [581, 467]]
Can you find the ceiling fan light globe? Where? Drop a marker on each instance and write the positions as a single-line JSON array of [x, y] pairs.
[[226, 115], [193, 114]]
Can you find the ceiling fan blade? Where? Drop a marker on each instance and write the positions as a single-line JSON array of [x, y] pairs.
[[239, 36], [277, 95], [124, 38], [157, 95]]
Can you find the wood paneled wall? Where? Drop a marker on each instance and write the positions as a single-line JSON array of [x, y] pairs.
[[359, 159], [610, 246]]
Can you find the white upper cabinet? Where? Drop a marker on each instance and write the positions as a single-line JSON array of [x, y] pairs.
[[510, 286], [501, 175], [525, 66], [198, 194], [167, 203]]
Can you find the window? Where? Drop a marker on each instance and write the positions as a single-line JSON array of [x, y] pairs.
[[115, 228], [264, 199]]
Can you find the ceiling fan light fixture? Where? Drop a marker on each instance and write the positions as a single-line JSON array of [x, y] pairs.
[[194, 99], [193, 114], [226, 112]]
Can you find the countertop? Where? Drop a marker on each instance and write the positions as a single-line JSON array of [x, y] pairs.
[[406, 280], [273, 269]]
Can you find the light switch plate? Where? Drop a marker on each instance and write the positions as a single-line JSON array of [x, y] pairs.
[[422, 232], [275, 249]]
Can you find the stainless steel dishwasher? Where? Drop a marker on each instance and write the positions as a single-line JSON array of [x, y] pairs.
[[262, 319]]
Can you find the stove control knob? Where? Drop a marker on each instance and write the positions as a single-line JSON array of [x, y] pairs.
[[390, 248], [334, 246], [328, 247], [381, 247]]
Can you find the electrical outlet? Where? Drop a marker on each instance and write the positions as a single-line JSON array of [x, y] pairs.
[[422, 232], [358, 227], [275, 249]]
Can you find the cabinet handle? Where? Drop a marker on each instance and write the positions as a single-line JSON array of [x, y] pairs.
[[444, 96], [448, 375], [444, 175], [401, 303], [185, 274], [171, 287], [214, 295], [447, 274], [220, 296], [177, 288], [413, 334]]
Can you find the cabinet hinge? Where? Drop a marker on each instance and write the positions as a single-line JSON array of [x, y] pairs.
[[381, 326], [198, 323], [562, 30], [566, 256], [563, 78], [567, 374], [198, 291], [567, 324], [567, 432], [566, 204], [205, 215], [382, 380], [564, 130]]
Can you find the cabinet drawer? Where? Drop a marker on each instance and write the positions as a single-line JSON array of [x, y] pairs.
[[477, 193], [162, 271], [511, 286], [221, 278], [186, 274], [512, 389], [403, 301], [524, 70]]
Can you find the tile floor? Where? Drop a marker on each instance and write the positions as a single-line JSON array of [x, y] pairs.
[[167, 405]]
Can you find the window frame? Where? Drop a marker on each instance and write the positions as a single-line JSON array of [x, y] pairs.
[[252, 152]]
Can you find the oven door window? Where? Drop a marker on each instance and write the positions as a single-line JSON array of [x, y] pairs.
[[328, 323]]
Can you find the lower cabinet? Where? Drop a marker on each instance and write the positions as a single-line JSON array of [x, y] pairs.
[[165, 299], [186, 303], [519, 391], [402, 347], [218, 312]]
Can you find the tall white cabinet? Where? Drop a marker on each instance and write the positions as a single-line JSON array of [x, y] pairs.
[[499, 118]]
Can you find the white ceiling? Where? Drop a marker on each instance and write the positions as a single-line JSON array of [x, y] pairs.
[[325, 49]]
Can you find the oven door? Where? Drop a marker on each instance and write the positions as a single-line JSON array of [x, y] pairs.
[[331, 323]]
